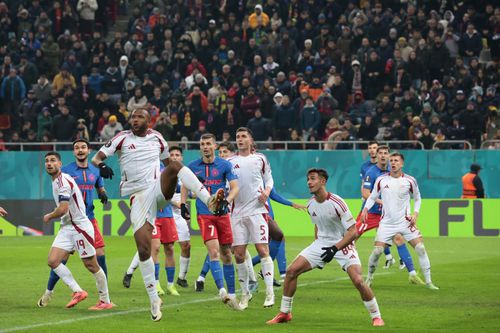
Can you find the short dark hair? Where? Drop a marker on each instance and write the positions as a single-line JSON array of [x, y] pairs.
[[397, 153], [53, 153], [245, 129], [373, 142], [383, 147], [228, 145], [207, 136], [81, 140], [321, 172], [172, 148]]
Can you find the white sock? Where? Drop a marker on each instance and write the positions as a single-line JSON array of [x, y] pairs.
[[102, 286], [183, 267], [200, 278], [243, 277], [49, 292], [412, 273], [373, 260], [65, 274], [268, 272], [388, 256], [425, 264], [251, 272], [372, 307], [286, 304], [148, 275], [133, 264], [188, 179]]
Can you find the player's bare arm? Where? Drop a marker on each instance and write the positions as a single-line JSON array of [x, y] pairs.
[[60, 210], [3, 212], [234, 190], [299, 207], [365, 193]]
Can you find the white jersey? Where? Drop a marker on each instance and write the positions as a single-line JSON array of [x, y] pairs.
[[396, 195], [254, 175], [139, 158], [64, 188], [332, 217]]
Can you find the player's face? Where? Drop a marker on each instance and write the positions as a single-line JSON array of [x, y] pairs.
[[244, 140], [315, 182], [396, 163], [372, 150], [81, 151], [176, 155], [139, 121], [224, 153], [52, 165], [382, 156], [207, 148]]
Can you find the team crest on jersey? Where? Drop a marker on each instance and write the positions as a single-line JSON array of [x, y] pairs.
[[215, 172], [108, 144], [91, 177]]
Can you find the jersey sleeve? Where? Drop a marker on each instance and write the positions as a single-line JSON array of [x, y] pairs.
[[64, 191], [374, 194], [416, 195], [163, 147], [229, 171], [343, 212], [99, 182], [267, 174], [114, 144], [369, 180], [275, 196]]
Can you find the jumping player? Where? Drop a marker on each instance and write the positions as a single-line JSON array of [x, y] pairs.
[[335, 232], [396, 189], [87, 178], [76, 234], [139, 152]]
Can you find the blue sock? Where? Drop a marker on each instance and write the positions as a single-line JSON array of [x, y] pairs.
[[404, 254], [101, 260], [281, 258], [387, 250], [170, 274], [206, 266], [274, 246], [53, 278], [229, 277], [157, 272], [217, 273], [255, 260]]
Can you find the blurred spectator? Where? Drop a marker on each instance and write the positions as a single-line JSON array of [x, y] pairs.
[[12, 91], [137, 101], [87, 9], [258, 19], [260, 126], [309, 120], [64, 125], [111, 128]]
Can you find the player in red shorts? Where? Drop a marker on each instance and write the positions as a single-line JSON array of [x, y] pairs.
[[214, 172], [87, 178]]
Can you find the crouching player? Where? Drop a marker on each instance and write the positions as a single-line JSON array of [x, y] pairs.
[[335, 232]]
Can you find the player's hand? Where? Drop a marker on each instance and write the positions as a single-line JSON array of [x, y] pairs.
[[46, 218], [3, 212], [185, 212], [329, 253], [299, 207], [364, 216], [224, 206], [105, 171], [103, 197], [263, 197], [413, 219]]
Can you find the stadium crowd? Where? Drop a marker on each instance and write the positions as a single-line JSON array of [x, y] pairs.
[[329, 70]]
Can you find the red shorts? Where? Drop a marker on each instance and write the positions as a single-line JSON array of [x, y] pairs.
[[165, 230], [216, 227], [98, 240], [371, 222]]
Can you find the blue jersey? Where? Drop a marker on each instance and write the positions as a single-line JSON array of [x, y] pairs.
[[364, 167], [370, 177], [87, 180], [275, 196], [214, 176], [167, 210]]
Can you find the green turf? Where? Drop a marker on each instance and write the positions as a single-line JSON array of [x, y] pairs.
[[466, 270]]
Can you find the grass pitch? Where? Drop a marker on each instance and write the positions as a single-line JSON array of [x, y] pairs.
[[467, 270]]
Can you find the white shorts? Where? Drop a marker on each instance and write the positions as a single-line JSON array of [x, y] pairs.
[[346, 257], [144, 205], [79, 239], [182, 228], [250, 230], [386, 232]]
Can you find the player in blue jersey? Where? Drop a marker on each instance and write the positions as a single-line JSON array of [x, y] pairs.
[[375, 215], [372, 152], [88, 179], [216, 231]]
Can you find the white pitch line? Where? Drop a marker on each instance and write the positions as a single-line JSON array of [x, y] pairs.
[[171, 305]]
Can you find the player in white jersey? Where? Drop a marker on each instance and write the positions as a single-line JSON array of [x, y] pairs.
[[248, 213], [181, 224], [396, 189], [335, 232], [139, 152], [76, 233]]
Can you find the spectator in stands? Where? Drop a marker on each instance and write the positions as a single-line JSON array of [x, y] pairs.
[[111, 128], [137, 101], [64, 125], [309, 120], [258, 19], [44, 121]]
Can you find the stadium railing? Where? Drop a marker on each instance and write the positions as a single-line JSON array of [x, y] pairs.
[[453, 144], [263, 145], [490, 144]]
